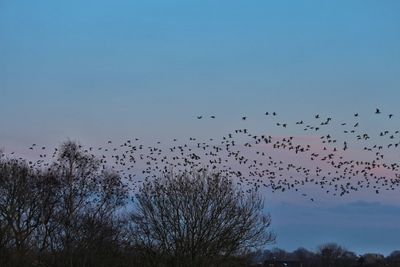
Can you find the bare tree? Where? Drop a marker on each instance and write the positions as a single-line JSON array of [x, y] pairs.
[[332, 254], [88, 199], [48, 199], [197, 219], [394, 258], [20, 205], [64, 215], [306, 257]]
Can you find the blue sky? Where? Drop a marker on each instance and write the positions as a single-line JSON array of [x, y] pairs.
[[359, 226], [98, 70]]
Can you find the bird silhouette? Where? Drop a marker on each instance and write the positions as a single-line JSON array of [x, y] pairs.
[[254, 159]]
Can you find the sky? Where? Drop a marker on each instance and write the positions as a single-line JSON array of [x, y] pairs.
[[99, 70]]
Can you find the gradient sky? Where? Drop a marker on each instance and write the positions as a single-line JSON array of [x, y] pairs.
[[98, 70]]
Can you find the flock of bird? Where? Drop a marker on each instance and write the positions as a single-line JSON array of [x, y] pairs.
[[338, 157]]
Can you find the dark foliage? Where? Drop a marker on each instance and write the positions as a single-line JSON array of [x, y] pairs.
[[326, 255]]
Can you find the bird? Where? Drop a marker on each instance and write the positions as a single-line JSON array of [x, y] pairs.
[[254, 158]]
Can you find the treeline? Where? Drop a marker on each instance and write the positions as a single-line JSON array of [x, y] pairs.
[[327, 255], [73, 212]]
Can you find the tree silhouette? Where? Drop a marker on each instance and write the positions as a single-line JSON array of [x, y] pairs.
[[197, 219], [88, 201]]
